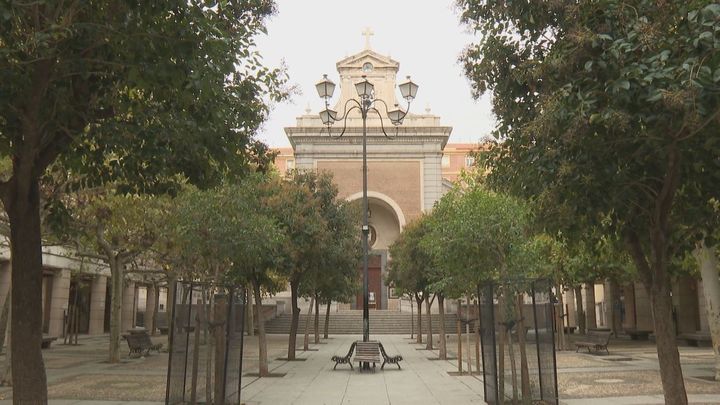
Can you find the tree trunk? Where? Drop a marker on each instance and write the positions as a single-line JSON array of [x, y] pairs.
[[412, 318], [590, 316], [308, 318], [292, 339], [513, 367], [156, 310], [478, 324], [219, 310], [419, 301], [5, 318], [209, 352], [467, 335], [169, 302], [262, 341], [524, 370], [327, 320], [6, 370], [615, 310], [428, 304], [656, 280], [116, 285], [708, 263], [251, 315], [579, 307], [317, 320], [443, 341], [23, 208], [668, 356], [562, 345], [458, 327], [501, 347]]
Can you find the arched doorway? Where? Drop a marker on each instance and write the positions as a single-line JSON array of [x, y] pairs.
[[386, 221]]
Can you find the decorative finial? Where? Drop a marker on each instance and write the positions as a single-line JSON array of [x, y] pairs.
[[308, 110], [367, 33], [427, 108]]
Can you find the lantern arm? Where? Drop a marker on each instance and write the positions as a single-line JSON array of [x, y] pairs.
[[387, 109], [344, 118], [346, 111], [382, 123]]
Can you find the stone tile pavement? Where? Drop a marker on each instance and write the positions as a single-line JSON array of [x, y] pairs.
[[79, 375], [313, 381]]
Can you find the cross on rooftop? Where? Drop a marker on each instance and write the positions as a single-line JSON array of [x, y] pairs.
[[367, 33]]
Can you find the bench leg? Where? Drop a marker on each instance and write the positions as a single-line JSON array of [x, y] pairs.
[[336, 363], [382, 367], [351, 366], [398, 364]]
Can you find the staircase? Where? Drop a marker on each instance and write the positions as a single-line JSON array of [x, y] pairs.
[[350, 323]]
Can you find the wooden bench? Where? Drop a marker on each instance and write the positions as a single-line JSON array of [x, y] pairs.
[[389, 359], [367, 352], [697, 339], [637, 334], [139, 343], [47, 341], [161, 323], [594, 339], [344, 359]]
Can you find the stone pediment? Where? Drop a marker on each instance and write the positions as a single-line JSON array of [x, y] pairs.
[[368, 55]]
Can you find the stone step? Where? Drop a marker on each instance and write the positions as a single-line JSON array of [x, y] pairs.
[[350, 322]]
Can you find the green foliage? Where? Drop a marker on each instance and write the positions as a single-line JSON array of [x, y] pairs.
[[472, 236], [479, 234], [105, 225], [297, 210], [410, 268], [227, 235], [134, 92], [608, 110]]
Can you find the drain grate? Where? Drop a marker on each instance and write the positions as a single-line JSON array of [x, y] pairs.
[[621, 359]]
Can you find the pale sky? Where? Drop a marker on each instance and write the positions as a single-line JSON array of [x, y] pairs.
[[310, 36]]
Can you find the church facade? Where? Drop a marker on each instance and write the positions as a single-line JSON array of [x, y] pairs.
[[409, 166]]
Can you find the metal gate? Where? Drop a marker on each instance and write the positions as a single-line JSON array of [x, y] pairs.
[[206, 344], [517, 341]]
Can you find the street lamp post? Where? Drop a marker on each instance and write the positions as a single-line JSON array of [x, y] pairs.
[[367, 103]]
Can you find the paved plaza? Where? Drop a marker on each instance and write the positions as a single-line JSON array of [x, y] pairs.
[[80, 375]]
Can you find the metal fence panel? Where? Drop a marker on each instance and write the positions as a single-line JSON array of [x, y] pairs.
[[517, 341], [206, 340], [488, 344], [547, 370]]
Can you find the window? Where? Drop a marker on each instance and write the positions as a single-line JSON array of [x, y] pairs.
[[446, 161], [291, 164], [469, 160]]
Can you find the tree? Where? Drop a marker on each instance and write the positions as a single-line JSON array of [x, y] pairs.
[[335, 274], [115, 229], [297, 211], [706, 256], [600, 106], [127, 91], [479, 237], [338, 279], [232, 247], [408, 269]]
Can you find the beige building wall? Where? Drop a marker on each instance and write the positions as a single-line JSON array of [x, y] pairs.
[[59, 301], [128, 306], [399, 180], [5, 271], [98, 289]]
